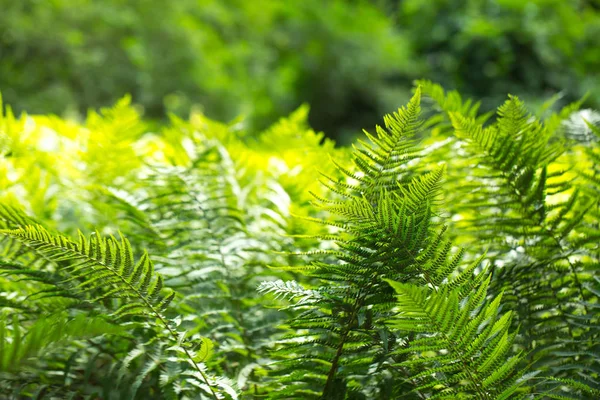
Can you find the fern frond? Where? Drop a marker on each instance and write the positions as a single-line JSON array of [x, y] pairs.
[[462, 344], [105, 264], [19, 344], [387, 229], [289, 290], [380, 161], [105, 267], [445, 103]]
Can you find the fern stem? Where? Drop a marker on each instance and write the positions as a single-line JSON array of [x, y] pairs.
[[336, 359], [334, 363]]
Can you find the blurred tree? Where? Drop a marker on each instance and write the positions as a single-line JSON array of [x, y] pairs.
[[486, 48], [350, 60], [260, 59]]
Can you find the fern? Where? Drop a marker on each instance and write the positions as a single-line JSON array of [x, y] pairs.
[[463, 345], [94, 261], [106, 268], [523, 202], [213, 223], [387, 231], [449, 254], [19, 346]]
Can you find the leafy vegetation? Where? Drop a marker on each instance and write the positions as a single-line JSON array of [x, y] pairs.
[[448, 254], [352, 61]]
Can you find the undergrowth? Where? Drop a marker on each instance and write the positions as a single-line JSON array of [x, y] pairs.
[[447, 254]]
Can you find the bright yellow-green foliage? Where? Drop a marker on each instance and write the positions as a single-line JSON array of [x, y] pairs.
[[50, 164], [47, 158], [446, 255]]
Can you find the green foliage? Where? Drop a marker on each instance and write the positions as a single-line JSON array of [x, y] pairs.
[[16, 347], [95, 260], [260, 59], [388, 229], [128, 291], [352, 61], [464, 345], [449, 254], [486, 49], [528, 203]]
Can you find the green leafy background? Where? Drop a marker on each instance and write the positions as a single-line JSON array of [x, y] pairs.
[[176, 221], [352, 61]]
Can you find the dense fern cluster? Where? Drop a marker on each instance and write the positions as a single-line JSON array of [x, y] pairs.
[[448, 255]]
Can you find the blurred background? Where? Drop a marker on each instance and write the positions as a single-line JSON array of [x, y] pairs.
[[352, 61]]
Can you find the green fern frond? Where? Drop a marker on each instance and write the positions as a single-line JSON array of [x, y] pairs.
[[379, 160], [12, 217], [524, 203], [19, 344], [106, 264], [387, 228], [290, 290], [462, 344], [105, 268]]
